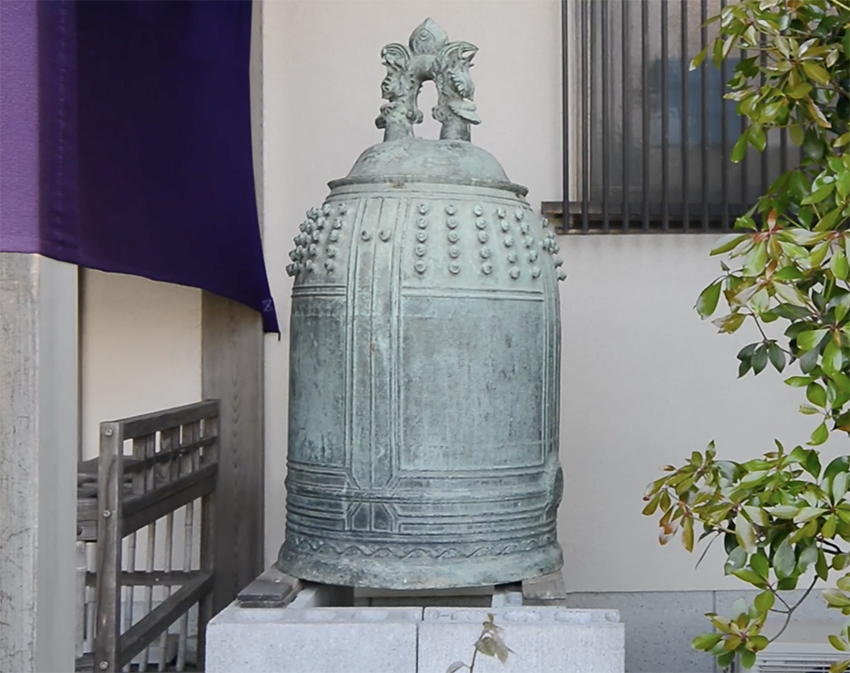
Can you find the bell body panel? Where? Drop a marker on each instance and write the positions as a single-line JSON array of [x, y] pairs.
[[424, 385]]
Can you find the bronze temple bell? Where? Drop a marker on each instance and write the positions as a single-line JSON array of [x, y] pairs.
[[424, 357]]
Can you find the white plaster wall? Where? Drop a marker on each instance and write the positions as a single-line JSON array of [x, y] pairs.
[[140, 349], [644, 381]]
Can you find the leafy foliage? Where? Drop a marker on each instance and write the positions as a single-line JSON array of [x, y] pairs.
[[779, 517], [490, 643], [782, 515]]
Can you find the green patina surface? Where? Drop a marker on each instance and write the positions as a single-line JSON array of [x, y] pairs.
[[424, 357]]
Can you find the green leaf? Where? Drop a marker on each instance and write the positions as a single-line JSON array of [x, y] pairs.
[[790, 294], [756, 259], [730, 323], [835, 163], [758, 139], [800, 91], [736, 558], [789, 272], [842, 382], [750, 577], [842, 183], [739, 151], [760, 564], [840, 666], [812, 464], [717, 54], [818, 254], [727, 243], [826, 223], [759, 360], [784, 561], [777, 356], [787, 584], [790, 312], [819, 194], [813, 146], [745, 222], [836, 598], [798, 381], [832, 358], [707, 301], [816, 394], [806, 341], [745, 533], [829, 526], [758, 643], [817, 114], [837, 643], [688, 534], [821, 567], [699, 58], [839, 486], [820, 435], [456, 666], [706, 641], [808, 513], [816, 72], [802, 236], [842, 307], [652, 505], [764, 601], [783, 511], [798, 135], [748, 659], [487, 647], [836, 466], [808, 556]]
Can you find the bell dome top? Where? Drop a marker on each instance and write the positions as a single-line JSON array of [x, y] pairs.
[[452, 159]]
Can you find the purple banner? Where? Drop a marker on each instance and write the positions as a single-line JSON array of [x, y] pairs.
[[144, 140]]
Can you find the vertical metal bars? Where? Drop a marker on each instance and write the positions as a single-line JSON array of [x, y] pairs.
[[765, 164], [585, 120], [745, 167], [566, 7], [703, 15], [644, 61], [685, 67], [638, 103], [665, 119], [724, 144], [627, 131], [606, 140]]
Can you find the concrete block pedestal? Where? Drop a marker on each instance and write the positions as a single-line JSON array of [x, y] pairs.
[[313, 640], [543, 639], [312, 635]]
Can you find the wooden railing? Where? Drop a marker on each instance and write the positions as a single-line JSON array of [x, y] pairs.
[[151, 470]]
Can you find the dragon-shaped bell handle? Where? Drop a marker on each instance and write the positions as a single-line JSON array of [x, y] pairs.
[[429, 56]]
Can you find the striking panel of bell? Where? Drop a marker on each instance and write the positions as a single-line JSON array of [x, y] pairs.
[[424, 357]]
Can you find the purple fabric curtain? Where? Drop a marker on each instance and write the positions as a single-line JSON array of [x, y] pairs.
[[144, 142]]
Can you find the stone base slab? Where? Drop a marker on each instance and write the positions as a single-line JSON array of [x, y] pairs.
[[307, 636], [313, 640]]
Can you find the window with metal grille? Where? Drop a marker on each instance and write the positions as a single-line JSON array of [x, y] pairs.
[[646, 141]]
